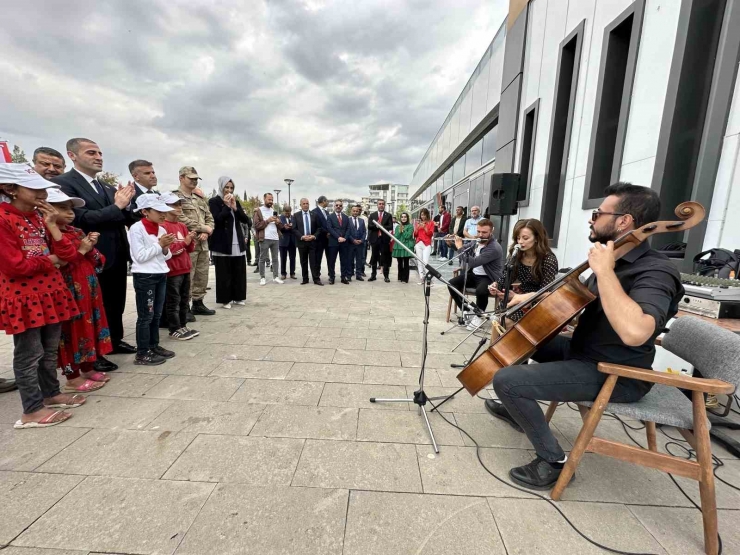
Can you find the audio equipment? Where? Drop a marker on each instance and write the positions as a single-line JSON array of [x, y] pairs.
[[504, 190]]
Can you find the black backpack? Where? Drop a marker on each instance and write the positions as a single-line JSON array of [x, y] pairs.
[[717, 263]]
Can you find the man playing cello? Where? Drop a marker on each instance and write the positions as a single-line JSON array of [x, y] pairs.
[[636, 296]]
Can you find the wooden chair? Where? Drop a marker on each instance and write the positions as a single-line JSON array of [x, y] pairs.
[[714, 351]]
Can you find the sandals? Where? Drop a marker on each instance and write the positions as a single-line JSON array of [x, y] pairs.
[[88, 386], [75, 401], [97, 377], [53, 419]]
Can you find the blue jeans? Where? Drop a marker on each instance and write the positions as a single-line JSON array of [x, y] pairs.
[[443, 248], [151, 290]]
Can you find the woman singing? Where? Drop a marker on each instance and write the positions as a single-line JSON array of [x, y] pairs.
[[535, 265], [423, 234]]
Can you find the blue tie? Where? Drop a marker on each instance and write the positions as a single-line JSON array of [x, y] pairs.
[[99, 187], [306, 223]]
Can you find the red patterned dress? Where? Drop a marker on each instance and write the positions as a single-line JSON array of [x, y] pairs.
[[85, 336]]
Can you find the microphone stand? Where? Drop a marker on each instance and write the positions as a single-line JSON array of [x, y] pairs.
[[420, 397]]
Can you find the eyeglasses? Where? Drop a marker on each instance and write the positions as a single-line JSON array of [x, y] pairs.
[[596, 213]]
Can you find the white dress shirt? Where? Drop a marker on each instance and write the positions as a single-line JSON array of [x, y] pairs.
[[89, 181]]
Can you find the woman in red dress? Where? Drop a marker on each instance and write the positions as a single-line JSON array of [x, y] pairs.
[[423, 233], [86, 337]]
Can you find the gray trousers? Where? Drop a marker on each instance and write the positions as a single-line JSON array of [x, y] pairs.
[[269, 247], [35, 365]]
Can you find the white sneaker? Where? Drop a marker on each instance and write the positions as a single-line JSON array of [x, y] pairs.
[[239, 303], [263, 281], [443, 258], [476, 322], [226, 306], [278, 280]]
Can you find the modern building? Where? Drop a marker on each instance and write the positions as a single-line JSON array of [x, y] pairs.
[[395, 196], [573, 95]]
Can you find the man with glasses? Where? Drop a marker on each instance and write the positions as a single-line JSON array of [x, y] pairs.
[[471, 225], [635, 297]]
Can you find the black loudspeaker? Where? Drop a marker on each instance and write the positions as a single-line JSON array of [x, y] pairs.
[[504, 190]]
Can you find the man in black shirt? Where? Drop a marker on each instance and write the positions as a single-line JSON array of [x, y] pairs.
[[636, 296]]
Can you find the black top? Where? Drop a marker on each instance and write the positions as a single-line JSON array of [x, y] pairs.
[[654, 283], [223, 230], [527, 281]]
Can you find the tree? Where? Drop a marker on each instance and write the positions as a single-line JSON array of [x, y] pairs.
[[402, 208], [110, 178], [250, 204], [18, 156]]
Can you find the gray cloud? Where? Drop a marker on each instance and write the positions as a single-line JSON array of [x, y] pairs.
[[336, 95]]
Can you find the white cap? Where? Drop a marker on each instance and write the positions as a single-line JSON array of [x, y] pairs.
[[169, 198], [25, 176], [151, 201], [56, 195]]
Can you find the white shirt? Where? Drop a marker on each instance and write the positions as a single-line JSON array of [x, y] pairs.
[[478, 270], [89, 181], [146, 252], [271, 231], [142, 188], [306, 219]]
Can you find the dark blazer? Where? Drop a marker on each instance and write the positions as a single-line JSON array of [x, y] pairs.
[[287, 239], [336, 230], [223, 226], [298, 226], [321, 234], [491, 258], [462, 226], [360, 232], [99, 214], [387, 223]]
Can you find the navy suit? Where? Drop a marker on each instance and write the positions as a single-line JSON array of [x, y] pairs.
[[337, 230], [287, 245], [322, 239], [307, 249], [357, 252]]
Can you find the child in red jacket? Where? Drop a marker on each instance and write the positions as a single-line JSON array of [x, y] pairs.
[[178, 279], [34, 299]]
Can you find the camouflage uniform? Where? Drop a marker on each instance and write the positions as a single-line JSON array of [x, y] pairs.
[[196, 216]]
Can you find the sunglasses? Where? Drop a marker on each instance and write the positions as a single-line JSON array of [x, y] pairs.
[[596, 213]]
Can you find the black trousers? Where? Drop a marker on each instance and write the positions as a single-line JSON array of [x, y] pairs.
[[343, 252], [307, 255], [320, 250], [403, 268], [113, 287], [176, 301], [381, 256], [480, 283], [284, 253], [557, 377], [151, 290], [231, 278]]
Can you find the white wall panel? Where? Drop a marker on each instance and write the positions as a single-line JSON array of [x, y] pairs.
[[651, 79], [730, 238], [723, 182], [733, 124], [639, 173]]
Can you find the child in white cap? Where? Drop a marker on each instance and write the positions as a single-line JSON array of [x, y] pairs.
[[34, 299], [150, 250]]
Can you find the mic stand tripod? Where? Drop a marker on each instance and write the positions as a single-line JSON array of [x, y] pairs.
[[420, 397]]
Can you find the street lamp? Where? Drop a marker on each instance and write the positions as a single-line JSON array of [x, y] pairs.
[[288, 182], [277, 195]]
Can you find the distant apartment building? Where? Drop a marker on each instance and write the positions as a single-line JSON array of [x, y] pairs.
[[395, 195]]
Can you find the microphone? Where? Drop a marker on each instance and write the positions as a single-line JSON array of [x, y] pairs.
[[513, 254]]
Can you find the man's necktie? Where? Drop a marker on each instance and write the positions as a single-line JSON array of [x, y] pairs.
[[98, 187], [380, 222], [339, 217], [306, 224]]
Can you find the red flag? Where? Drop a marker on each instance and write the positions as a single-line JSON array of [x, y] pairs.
[[5, 152]]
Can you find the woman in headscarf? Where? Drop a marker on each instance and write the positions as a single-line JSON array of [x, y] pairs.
[[228, 246]]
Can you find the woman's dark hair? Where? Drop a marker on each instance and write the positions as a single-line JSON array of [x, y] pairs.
[[424, 211], [642, 203], [541, 245]]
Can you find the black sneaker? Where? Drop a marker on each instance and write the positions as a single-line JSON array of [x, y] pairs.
[[201, 309], [539, 474], [498, 410], [193, 333], [161, 351], [180, 335], [149, 359]]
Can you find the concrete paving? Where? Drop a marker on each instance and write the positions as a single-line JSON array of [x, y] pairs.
[[259, 438]]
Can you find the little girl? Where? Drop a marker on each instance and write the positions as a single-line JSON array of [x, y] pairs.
[[85, 338], [34, 300]]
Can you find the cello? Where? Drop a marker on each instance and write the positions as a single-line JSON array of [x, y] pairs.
[[559, 302]]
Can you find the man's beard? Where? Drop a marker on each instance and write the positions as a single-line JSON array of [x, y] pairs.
[[604, 236], [268, 204]]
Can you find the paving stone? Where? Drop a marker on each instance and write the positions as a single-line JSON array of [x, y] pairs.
[[368, 333], [208, 388], [305, 354], [131, 516], [434, 360], [128, 385], [405, 427], [11, 408], [335, 324], [253, 369], [461, 402], [405, 523], [681, 532], [239, 519], [27, 449], [448, 378], [13, 550], [534, 526], [116, 413], [492, 432], [208, 417], [307, 422], [278, 392], [338, 342], [398, 376], [345, 373], [26, 496], [727, 497], [252, 460], [122, 453], [276, 340], [358, 465], [233, 351], [385, 358], [358, 396]]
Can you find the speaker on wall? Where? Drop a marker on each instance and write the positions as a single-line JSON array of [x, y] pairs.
[[504, 190]]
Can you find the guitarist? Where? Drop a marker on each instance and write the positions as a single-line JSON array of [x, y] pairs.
[[636, 296]]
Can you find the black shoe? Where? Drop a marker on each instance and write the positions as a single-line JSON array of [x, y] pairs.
[[331, 281], [200, 308], [191, 317], [283, 277], [7, 385], [498, 410], [318, 282], [539, 474], [256, 270], [372, 278], [345, 281], [364, 274], [359, 278], [292, 276], [124, 348], [149, 359], [387, 279], [104, 365], [304, 282], [449, 263], [161, 351]]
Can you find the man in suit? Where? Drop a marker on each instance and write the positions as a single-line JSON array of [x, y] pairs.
[[457, 226], [105, 212], [338, 229], [322, 235], [305, 227], [145, 180], [379, 241], [358, 235], [287, 244], [48, 163]]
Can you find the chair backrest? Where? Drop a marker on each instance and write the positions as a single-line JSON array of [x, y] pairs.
[[712, 350]]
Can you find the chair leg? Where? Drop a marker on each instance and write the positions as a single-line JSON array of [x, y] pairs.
[[584, 436], [651, 436], [551, 411], [449, 308], [706, 483]]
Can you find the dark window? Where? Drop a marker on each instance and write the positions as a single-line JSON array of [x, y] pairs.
[[529, 132], [473, 157], [489, 146], [618, 61], [458, 170], [569, 61]]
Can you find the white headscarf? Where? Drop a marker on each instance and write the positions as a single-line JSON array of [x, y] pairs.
[[222, 181]]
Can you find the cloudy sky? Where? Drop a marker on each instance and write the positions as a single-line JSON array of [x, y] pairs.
[[334, 94]]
